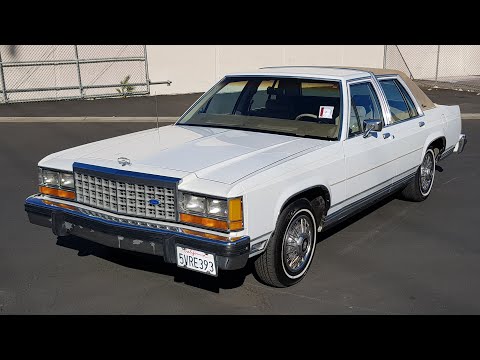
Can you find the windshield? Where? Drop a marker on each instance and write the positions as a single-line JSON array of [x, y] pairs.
[[290, 106]]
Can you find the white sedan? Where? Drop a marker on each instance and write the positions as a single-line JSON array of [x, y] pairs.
[[260, 164]]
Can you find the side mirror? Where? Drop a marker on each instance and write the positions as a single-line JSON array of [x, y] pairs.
[[371, 125]]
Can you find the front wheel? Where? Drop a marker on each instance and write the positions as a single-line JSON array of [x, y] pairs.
[[421, 185], [291, 247]]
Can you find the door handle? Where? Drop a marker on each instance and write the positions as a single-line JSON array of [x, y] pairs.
[[388, 136], [421, 123]]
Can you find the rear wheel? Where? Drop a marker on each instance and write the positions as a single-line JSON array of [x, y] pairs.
[[291, 247], [421, 185]]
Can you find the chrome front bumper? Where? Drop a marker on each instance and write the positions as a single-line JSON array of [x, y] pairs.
[[230, 255]]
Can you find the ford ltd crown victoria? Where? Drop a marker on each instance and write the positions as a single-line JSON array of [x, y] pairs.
[[254, 169]]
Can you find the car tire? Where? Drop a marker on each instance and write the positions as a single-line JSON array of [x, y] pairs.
[[291, 247], [421, 185]]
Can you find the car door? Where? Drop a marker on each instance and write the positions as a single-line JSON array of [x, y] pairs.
[[369, 161], [406, 125]]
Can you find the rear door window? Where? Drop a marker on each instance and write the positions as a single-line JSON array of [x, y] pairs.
[[401, 105], [411, 105]]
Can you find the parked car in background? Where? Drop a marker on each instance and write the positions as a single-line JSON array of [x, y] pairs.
[[255, 169]]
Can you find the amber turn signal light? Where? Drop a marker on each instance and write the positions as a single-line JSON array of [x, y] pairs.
[[65, 206], [235, 214], [205, 235], [210, 236], [57, 192], [203, 221]]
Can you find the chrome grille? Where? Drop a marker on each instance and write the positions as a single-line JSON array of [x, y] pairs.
[[125, 198]]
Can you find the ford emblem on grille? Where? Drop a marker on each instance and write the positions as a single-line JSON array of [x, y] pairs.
[[153, 202], [124, 161]]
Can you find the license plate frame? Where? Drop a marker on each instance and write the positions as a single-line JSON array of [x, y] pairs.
[[196, 260]]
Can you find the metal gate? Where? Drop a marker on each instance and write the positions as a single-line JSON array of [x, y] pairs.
[[59, 72]]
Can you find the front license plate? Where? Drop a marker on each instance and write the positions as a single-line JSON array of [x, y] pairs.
[[196, 260]]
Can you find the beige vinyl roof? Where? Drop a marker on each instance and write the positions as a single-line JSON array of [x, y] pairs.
[[421, 97]]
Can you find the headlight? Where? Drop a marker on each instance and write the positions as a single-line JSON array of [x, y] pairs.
[[217, 207], [50, 178], [56, 183], [209, 212], [40, 176], [66, 180], [193, 203]]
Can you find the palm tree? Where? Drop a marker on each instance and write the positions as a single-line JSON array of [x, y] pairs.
[[126, 88]]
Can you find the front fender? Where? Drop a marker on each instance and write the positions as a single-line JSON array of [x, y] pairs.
[[296, 188], [269, 190]]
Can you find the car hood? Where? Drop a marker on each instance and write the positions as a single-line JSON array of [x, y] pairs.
[[216, 154]]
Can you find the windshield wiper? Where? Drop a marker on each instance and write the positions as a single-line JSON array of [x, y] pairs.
[[231, 127]]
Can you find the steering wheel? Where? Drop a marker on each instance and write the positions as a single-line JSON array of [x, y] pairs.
[[317, 119], [306, 115]]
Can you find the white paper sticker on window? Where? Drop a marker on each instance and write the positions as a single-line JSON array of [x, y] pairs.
[[326, 112]]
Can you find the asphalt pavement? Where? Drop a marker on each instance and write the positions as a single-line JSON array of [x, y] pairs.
[[395, 258], [134, 106], [469, 102]]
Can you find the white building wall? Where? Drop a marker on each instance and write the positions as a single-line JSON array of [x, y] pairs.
[[196, 68]]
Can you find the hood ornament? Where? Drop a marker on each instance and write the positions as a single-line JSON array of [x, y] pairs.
[[124, 161]]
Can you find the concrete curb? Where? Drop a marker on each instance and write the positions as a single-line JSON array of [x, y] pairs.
[[471, 116], [87, 119], [126, 119]]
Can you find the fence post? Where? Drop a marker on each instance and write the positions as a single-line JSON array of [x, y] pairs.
[[146, 68], [78, 72], [438, 60], [385, 56], [406, 65], [2, 80]]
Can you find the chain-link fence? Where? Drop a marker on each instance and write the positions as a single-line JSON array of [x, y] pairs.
[[56, 72], [443, 66]]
